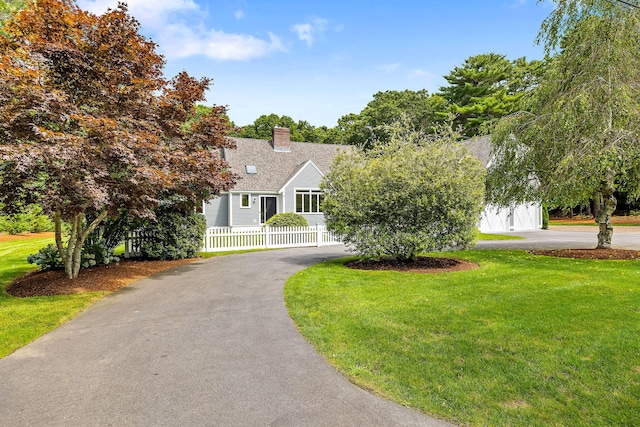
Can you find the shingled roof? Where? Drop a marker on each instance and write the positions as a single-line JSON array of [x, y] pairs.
[[275, 168], [480, 147]]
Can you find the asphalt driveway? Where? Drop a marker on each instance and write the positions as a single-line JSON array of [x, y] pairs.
[[206, 344]]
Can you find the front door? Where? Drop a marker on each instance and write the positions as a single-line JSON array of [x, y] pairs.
[[268, 208]]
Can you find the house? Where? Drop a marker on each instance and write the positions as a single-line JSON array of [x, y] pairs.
[[522, 217], [284, 176], [275, 176]]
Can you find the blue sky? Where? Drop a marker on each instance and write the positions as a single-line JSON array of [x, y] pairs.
[[320, 60]]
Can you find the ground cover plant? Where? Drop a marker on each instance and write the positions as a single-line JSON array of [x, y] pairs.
[[522, 340]]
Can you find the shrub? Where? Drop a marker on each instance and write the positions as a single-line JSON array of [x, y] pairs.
[[47, 258], [288, 219], [177, 234], [28, 219], [97, 253], [408, 196]]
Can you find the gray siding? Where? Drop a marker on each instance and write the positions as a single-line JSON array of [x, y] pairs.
[[245, 216], [307, 179], [217, 211]]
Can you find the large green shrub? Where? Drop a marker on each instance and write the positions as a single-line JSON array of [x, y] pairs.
[[177, 233], [28, 219], [288, 219], [410, 195]]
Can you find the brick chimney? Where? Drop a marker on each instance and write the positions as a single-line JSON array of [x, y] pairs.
[[281, 139]]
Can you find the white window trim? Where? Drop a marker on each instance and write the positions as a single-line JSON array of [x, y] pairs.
[[309, 191], [248, 198]]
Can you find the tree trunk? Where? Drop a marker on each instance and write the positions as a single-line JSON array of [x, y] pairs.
[[607, 204], [72, 254]]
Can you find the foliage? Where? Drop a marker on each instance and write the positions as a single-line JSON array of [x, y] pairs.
[[175, 234], [98, 253], [579, 139], [369, 126], [411, 195], [487, 87], [29, 219], [262, 128], [288, 219], [10, 7], [47, 258], [523, 340], [89, 125]]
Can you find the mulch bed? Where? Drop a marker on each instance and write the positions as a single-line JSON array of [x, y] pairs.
[[613, 254], [24, 236], [101, 278], [420, 265]]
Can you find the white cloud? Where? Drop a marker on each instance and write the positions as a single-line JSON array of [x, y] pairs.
[[181, 41], [308, 31], [177, 39], [305, 32]]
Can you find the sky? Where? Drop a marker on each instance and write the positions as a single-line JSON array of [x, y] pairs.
[[320, 60]]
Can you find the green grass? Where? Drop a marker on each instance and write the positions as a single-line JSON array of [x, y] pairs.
[[24, 319], [589, 224], [487, 236], [577, 224], [523, 340]]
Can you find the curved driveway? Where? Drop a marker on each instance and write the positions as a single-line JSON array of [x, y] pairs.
[[206, 344]]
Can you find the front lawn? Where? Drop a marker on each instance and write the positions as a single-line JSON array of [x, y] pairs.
[[492, 236], [523, 340], [24, 319]]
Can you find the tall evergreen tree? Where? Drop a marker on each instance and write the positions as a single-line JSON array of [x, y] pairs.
[[485, 88]]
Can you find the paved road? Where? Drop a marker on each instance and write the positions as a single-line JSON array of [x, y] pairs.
[[207, 344]]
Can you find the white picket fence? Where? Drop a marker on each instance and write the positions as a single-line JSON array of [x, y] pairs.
[[133, 243], [218, 239]]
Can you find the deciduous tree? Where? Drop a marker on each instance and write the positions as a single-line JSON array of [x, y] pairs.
[[419, 108], [580, 139], [89, 126]]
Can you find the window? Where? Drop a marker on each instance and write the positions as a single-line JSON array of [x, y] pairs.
[[245, 201], [308, 201]]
